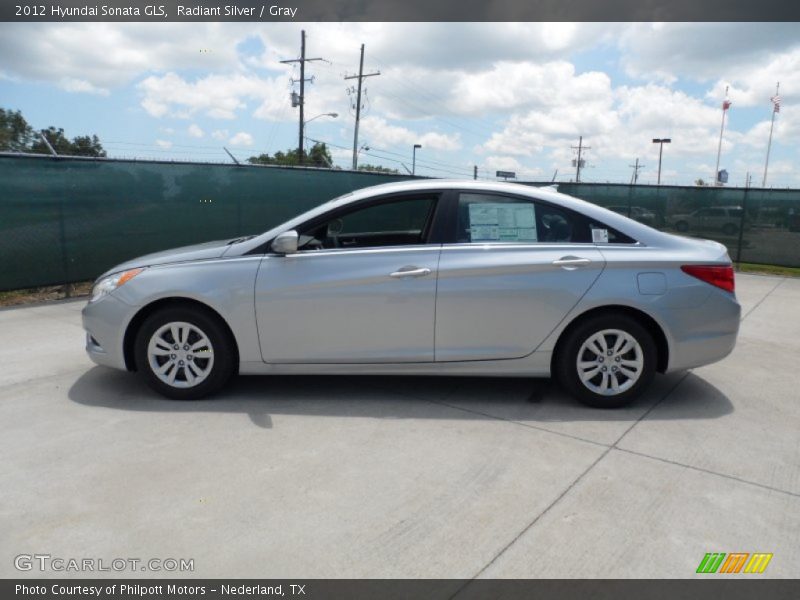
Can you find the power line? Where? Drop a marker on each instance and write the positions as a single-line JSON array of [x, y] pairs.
[[435, 99], [393, 160]]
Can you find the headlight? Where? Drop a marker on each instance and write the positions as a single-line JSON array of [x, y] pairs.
[[109, 284]]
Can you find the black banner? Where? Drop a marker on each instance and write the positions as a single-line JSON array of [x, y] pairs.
[[398, 10], [384, 589]]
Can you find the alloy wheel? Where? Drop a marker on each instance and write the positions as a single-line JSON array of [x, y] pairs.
[[180, 354], [610, 362]]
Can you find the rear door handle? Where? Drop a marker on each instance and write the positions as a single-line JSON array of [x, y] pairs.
[[410, 272], [571, 263]]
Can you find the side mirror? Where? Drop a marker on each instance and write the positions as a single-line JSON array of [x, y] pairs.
[[285, 243]]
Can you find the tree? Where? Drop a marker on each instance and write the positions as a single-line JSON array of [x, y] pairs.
[[700, 182], [16, 135], [377, 169], [318, 156], [79, 146], [83, 145], [57, 140]]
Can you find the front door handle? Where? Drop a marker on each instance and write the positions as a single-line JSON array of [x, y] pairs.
[[410, 272], [570, 263]]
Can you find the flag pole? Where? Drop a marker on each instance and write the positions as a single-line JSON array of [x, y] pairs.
[[776, 106], [725, 105]]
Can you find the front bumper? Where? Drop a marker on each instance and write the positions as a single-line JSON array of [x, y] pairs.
[[105, 322]]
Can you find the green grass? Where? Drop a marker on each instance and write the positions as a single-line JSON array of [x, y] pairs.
[[44, 294], [768, 269]]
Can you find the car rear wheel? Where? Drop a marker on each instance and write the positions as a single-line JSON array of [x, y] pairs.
[[682, 226], [184, 353], [607, 361]]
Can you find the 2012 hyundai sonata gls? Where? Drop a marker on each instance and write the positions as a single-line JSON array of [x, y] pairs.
[[432, 278]]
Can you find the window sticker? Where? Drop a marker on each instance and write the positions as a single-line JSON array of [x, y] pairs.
[[599, 236], [502, 222]]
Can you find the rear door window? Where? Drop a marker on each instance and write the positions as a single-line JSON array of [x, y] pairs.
[[484, 218]]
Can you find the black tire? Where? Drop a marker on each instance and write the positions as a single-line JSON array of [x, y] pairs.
[[682, 226], [566, 362], [223, 361]]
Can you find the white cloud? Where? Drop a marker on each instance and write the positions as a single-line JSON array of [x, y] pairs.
[[377, 131], [195, 131], [509, 86], [118, 52], [492, 164], [754, 85], [164, 144], [71, 84], [702, 51], [220, 134], [241, 139], [618, 126], [216, 96]]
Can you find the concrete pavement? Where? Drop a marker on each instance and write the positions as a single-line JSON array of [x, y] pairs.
[[402, 477]]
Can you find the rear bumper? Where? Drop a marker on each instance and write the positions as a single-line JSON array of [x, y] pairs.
[[704, 335]]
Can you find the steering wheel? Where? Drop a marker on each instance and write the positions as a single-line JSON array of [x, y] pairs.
[[333, 230]]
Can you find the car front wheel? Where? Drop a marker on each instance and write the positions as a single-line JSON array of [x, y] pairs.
[[184, 353], [607, 361]]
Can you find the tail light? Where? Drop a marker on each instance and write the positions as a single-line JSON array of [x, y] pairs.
[[717, 275]]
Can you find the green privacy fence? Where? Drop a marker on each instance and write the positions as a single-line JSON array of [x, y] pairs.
[[757, 225], [65, 220]]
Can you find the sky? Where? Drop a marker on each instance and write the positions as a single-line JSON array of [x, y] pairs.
[[502, 96]]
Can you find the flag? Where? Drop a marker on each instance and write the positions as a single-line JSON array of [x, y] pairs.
[[776, 100], [726, 104]]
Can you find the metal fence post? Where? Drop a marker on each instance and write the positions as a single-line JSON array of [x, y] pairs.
[[62, 239], [741, 228]]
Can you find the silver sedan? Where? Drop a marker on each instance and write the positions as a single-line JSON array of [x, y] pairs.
[[425, 278]]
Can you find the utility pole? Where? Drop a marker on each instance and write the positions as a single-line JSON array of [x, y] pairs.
[[580, 148], [361, 76], [635, 176], [475, 172], [302, 60]]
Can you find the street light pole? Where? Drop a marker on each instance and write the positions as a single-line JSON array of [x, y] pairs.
[[661, 142], [332, 115], [414, 159]]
